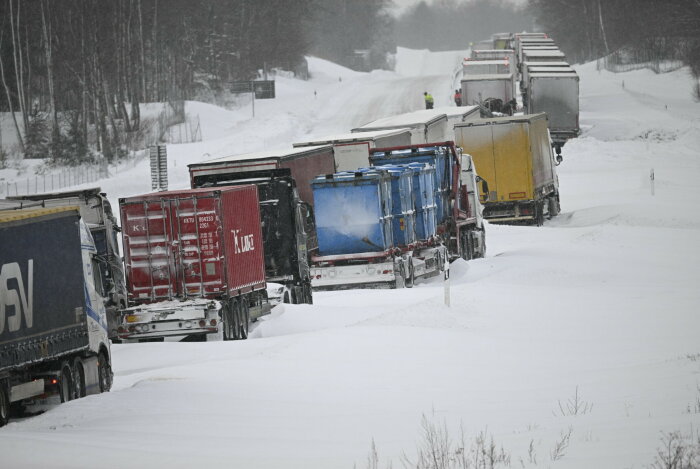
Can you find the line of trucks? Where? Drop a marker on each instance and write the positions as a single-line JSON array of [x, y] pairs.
[[533, 64], [387, 204]]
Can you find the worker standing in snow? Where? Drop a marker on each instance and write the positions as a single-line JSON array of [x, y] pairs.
[[428, 100], [458, 97]]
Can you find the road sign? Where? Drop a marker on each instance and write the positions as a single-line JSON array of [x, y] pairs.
[[159, 168], [263, 89]]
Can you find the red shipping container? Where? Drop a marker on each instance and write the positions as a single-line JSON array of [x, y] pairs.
[[195, 243]]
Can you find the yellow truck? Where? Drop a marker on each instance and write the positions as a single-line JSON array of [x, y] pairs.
[[514, 156]]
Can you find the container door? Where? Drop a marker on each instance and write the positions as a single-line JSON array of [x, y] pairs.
[[150, 265], [196, 247], [511, 156]]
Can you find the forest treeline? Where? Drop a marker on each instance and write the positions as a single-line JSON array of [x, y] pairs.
[[74, 71], [644, 29]]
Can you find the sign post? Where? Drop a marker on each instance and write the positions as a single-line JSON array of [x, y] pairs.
[[258, 89]]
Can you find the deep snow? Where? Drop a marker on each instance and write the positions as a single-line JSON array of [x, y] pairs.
[[603, 299]]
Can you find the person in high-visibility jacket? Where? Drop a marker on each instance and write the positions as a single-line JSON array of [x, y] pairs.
[[428, 100]]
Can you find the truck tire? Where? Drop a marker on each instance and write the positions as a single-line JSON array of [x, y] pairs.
[[79, 378], [66, 389], [104, 372], [244, 317], [539, 213], [308, 294], [554, 207], [4, 406], [410, 274], [467, 250], [235, 319]]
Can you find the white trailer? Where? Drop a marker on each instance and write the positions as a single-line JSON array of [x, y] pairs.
[[478, 88], [426, 126], [459, 114], [524, 69], [485, 67], [496, 54], [557, 95], [534, 55], [533, 42], [351, 150]]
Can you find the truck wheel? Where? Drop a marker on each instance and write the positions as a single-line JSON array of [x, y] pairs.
[[245, 319], [554, 207], [235, 320], [467, 249], [227, 317], [410, 275], [539, 214], [66, 385], [79, 378], [308, 294], [104, 370], [4, 406]]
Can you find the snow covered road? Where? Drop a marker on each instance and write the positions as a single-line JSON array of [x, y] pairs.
[[598, 307]]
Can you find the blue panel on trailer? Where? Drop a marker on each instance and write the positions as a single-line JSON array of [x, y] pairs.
[[353, 212], [424, 191], [438, 157], [402, 203]]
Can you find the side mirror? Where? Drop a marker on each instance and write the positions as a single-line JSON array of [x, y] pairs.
[[485, 189], [559, 159]]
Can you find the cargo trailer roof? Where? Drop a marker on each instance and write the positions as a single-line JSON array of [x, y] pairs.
[[503, 120], [485, 61], [457, 111], [90, 191], [493, 51], [534, 63], [543, 53], [181, 192], [408, 119], [351, 137], [554, 75], [553, 69], [264, 155], [492, 76], [25, 213]]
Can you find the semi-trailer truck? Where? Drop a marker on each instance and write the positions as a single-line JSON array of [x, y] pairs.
[[514, 154], [53, 325], [194, 263]]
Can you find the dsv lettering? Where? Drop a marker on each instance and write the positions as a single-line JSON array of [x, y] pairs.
[[242, 243], [20, 299]]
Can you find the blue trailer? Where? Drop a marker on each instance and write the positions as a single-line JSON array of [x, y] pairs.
[[424, 193], [459, 219], [437, 156], [353, 213], [398, 221]]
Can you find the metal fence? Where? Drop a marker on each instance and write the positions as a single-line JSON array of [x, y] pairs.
[[661, 55], [53, 181]]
